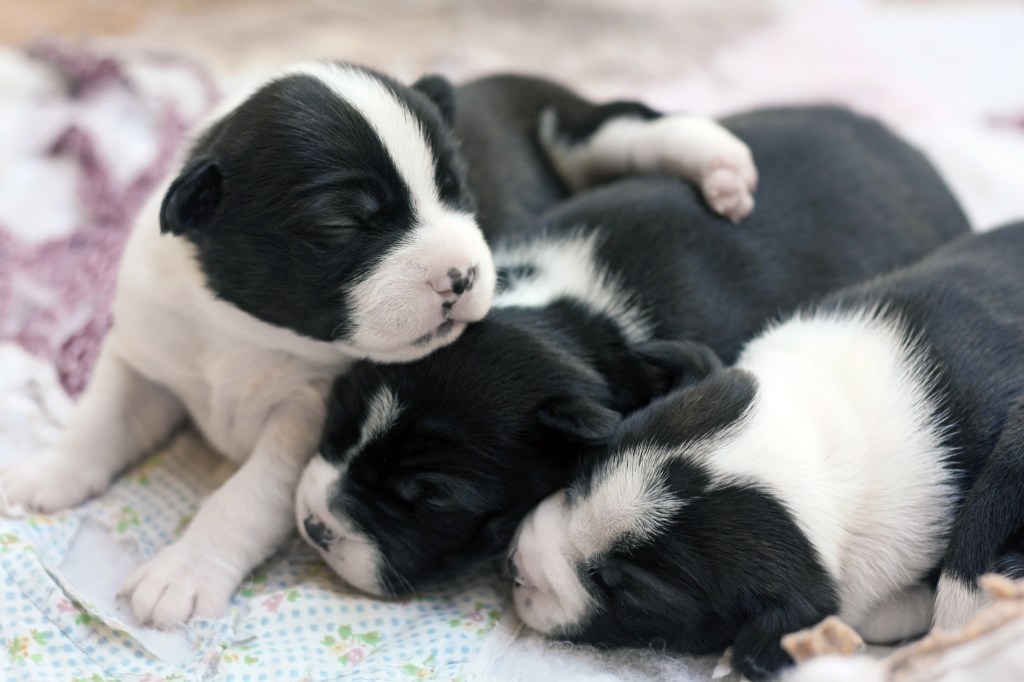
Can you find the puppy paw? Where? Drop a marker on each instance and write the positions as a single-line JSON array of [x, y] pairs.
[[49, 483], [729, 181], [176, 585]]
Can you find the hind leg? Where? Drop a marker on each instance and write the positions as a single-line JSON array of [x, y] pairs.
[[989, 521], [902, 616]]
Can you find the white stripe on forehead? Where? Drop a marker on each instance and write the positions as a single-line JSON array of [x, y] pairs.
[[629, 496], [381, 412], [397, 127]]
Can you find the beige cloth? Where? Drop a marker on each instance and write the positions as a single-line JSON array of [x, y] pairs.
[[989, 648]]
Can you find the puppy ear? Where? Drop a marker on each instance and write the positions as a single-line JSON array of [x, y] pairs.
[[440, 91], [680, 362], [192, 197], [579, 419]]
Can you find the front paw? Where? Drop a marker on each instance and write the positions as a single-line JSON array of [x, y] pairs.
[[178, 584], [729, 181], [49, 483]]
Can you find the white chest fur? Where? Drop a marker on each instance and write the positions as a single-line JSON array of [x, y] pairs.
[[229, 370]]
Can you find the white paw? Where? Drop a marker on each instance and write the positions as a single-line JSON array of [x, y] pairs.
[[176, 585], [729, 181], [49, 483]]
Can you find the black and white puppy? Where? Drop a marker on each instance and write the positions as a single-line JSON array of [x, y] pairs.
[[428, 467], [323, 218], [851, 452]]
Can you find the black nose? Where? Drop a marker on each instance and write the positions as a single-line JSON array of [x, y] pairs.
[[512, 570], [462, 283], [319, 534]]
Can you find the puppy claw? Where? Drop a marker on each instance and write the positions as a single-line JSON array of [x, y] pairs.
[[176, 585], [48, 484], [728, 184]]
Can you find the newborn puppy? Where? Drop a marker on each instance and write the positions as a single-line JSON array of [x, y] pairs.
[[323, 218], [428, 467], [852, 451]]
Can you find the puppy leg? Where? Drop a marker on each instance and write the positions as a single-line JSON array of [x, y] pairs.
[[757, 652], [990, 517], [902, 616], [588, 145], [235, 529], [120, 417]]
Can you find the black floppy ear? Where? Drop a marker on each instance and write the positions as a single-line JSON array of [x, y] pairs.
[[441, 93], [579, 419], [192, 197], [681, 362]]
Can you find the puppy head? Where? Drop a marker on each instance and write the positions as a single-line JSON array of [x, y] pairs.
[[656, 544], [627, 554], [426, 468], [331, 202]]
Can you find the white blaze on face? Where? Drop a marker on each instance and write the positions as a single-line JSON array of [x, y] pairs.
[[398, 312], [628, 501], [350, 554]]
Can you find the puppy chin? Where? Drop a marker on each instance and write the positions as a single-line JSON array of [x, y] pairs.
[[416, 349]]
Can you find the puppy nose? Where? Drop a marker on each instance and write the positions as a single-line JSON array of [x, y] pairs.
[[318, 533], [462, 283], [455, 281], [513, 570]]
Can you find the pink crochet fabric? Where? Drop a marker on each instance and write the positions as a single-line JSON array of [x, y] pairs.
[[55, 294]]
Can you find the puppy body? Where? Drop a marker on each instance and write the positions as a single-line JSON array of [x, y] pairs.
[[323, 218], [851, 453], [481, 430]]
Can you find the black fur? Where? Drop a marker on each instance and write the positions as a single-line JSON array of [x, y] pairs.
[[291, 198], [966, 304], [732, 569], [734, 558], [499, 420]]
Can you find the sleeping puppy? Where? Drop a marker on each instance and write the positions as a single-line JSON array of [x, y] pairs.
[[428, 467], [323, 218], [851, 452]]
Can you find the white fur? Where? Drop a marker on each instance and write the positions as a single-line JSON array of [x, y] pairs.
[[900, 617], [693, 147], [350, 554], [546, 558], [382, 411], [400, 302], [255, 391], [567, 267], [844, 433], [956, 602]]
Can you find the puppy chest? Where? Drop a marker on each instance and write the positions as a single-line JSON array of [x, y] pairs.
[[241, 391]]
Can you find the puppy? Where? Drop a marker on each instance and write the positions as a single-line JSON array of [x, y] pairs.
[[323, 218], [852, 451], [428, 467]]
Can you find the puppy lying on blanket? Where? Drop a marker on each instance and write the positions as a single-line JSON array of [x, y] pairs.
[[324, 218], [428, 467], [852, 452]]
